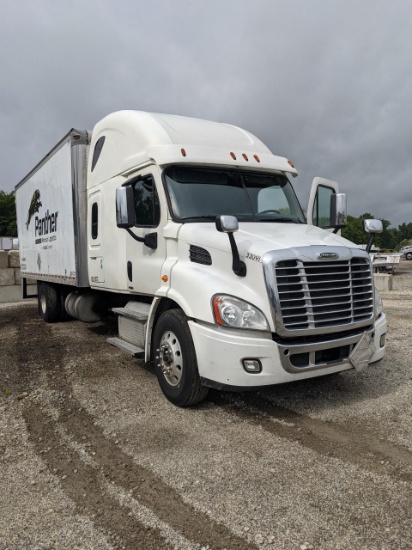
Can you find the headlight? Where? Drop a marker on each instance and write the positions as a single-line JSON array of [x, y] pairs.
[[378, 304], [232, 312]]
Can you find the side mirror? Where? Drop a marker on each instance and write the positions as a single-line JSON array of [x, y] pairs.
[[338, 211], [227, 224], [125, 212], [373, 227]]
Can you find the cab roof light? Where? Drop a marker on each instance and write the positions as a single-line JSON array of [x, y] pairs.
[[244, 155], [257, 159], [183, 151], [233, 155], [291, 164]]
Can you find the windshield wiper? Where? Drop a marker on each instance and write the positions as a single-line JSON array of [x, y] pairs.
[[194, 218], [212, 217], [280, 220]]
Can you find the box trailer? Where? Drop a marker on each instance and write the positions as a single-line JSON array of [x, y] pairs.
[[190, 231], [51, 211]]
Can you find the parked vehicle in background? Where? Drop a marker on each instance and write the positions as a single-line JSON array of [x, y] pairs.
[[9, 243], [385, 262], [190, 231], [406, 252]]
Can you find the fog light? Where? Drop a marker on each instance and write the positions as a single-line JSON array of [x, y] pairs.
[[382, 340], [252, 365]]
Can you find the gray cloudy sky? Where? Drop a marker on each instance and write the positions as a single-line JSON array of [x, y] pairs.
[[326, 83]]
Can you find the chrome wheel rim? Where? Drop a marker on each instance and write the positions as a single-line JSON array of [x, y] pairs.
[[170, 358]]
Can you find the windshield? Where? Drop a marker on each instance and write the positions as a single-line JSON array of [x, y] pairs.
[[200, 193]]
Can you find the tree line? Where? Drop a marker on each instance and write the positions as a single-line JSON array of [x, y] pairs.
[[390, 239], [8, 224]]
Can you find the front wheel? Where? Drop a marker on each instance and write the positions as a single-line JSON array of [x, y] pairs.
[[176, 364], [409, 256]]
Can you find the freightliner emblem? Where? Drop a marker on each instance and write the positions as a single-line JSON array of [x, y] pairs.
[[327, 255]]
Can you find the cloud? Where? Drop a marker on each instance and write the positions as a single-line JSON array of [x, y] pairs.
[[323, 83]]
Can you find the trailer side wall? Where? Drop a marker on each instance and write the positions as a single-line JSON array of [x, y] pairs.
[[51, 215]]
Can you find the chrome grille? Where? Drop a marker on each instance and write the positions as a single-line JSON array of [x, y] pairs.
[[316, 295]]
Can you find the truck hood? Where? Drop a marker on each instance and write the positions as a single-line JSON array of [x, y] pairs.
[[259, 238]]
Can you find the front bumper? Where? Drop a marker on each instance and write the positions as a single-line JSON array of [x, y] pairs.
[[221, 351]]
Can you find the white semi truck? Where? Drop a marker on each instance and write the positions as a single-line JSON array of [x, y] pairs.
[[190, 231]]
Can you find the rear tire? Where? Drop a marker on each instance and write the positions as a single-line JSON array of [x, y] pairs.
[[63, 293], [50, 306], [175, 363]]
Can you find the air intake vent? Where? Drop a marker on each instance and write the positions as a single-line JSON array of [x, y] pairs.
[[316, 295], [199, 255]]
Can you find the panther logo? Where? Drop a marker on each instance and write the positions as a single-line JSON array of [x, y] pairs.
[[34, 206]]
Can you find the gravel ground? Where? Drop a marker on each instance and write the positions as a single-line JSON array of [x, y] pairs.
[[92, 455]]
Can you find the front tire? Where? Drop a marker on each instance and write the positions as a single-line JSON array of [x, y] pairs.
[[409, 256], [176, 364]]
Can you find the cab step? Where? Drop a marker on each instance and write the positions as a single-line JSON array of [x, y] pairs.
[[132, 328], [126, 346], [133, 310]]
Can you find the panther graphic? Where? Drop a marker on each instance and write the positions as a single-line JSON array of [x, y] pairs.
[[34, 206]]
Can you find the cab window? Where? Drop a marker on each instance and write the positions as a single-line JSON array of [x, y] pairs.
[[146, 203], [321, 207]]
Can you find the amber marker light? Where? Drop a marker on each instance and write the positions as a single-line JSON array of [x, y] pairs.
[[244, 155], [183, 151], [165, 278], [216, 311], [233, 155], [291, 163], [257, 159]]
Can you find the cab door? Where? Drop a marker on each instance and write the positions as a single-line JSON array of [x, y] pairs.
[[318, 212], [145, 243]]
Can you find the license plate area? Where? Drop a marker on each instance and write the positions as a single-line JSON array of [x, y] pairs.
[[362, 352]]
